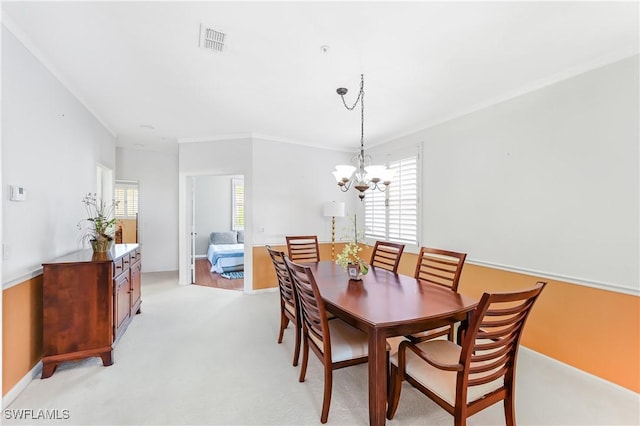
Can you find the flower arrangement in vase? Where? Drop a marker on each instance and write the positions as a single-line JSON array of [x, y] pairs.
[[350, 258], [99, 227]]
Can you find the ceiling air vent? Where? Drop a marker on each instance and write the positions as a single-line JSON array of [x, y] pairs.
[[211, 39]]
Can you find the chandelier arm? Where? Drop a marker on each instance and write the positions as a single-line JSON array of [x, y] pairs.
[[345, 187], [374, 185]]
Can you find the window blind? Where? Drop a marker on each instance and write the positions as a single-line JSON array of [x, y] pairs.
[[126, 194], [237, 208], [392, 215]]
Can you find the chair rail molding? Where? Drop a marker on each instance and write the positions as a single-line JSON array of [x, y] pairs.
[[558, 277]]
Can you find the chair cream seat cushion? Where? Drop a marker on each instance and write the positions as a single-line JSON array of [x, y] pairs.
[[432, 332], [441, 382], [393, 343], [347, 342]]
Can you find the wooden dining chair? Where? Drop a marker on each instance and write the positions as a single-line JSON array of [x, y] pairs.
[[335, 343], [469, 378], [289, 311], [386, 255], [303, 248], [443, 268]]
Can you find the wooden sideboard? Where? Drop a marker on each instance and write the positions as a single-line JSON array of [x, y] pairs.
[[89, 299]]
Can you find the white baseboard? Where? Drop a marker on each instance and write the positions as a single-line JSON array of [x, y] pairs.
[[21, 385]]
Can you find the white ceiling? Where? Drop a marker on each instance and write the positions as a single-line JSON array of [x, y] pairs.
[[139, 64]]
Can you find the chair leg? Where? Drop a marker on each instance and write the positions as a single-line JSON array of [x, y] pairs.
[[459, 420], [284, 322], [509, 410], [451, 336], [305, 358], [326, 400], [296, 353], [393, 391]]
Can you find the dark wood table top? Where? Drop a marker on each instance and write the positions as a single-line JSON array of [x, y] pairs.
[[383, 299]]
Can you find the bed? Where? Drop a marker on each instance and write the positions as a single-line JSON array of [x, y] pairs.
[[226, 251]]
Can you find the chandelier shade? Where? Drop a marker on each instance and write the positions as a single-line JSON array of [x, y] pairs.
[[365, 175], [343, 173]]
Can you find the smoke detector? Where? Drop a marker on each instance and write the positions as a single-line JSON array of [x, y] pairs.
[[211, 39]]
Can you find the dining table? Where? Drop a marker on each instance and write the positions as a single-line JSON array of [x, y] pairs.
[[384, 304]]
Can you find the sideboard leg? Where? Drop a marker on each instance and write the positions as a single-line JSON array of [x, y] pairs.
[[107, 358], [48, 368]]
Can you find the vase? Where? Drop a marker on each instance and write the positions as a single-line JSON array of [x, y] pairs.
[[101, 246], [353, 270]]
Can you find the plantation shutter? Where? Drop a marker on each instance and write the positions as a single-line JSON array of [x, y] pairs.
[[237, 195], [375, 215], [126, 195], [120, 198], [403, 202], [392, 215]]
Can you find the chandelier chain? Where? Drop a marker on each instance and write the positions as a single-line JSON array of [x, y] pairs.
[[360, 99], [366, 177]]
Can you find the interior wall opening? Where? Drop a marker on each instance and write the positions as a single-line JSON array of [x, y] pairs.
[[127, 195], [218, 231]]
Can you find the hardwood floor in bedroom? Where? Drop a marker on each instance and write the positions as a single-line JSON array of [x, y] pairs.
[[205, 277]]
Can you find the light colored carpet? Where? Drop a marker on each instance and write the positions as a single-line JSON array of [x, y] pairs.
[[200, 355]]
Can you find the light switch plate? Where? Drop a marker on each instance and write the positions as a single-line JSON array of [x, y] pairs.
[[18, 193]]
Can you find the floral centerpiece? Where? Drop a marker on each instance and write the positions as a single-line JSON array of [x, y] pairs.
[[350, 258], [99, 226]]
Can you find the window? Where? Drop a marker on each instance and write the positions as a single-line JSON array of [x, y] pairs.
[[127, 198], [392, 215], [237, 204]]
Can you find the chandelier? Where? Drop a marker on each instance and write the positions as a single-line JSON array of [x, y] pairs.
[[363, 175]]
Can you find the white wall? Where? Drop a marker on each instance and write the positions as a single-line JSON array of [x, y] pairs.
[[51, 145], [546, 182], [291, 185], [157, 173]]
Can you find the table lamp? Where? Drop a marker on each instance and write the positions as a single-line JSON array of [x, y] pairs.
[[333, 209]]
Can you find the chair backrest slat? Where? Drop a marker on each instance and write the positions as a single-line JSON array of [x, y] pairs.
[[386, 255], [285, 285], [314, 315], [441, 267], [303, 248]]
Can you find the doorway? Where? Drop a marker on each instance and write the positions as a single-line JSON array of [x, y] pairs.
[[217, 234], [127, 218]]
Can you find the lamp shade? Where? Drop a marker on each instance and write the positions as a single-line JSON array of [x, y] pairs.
[[334, 209], [343, 172]]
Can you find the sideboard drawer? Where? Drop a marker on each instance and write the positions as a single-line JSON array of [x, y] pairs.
[[118, 267], [135, 256]]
